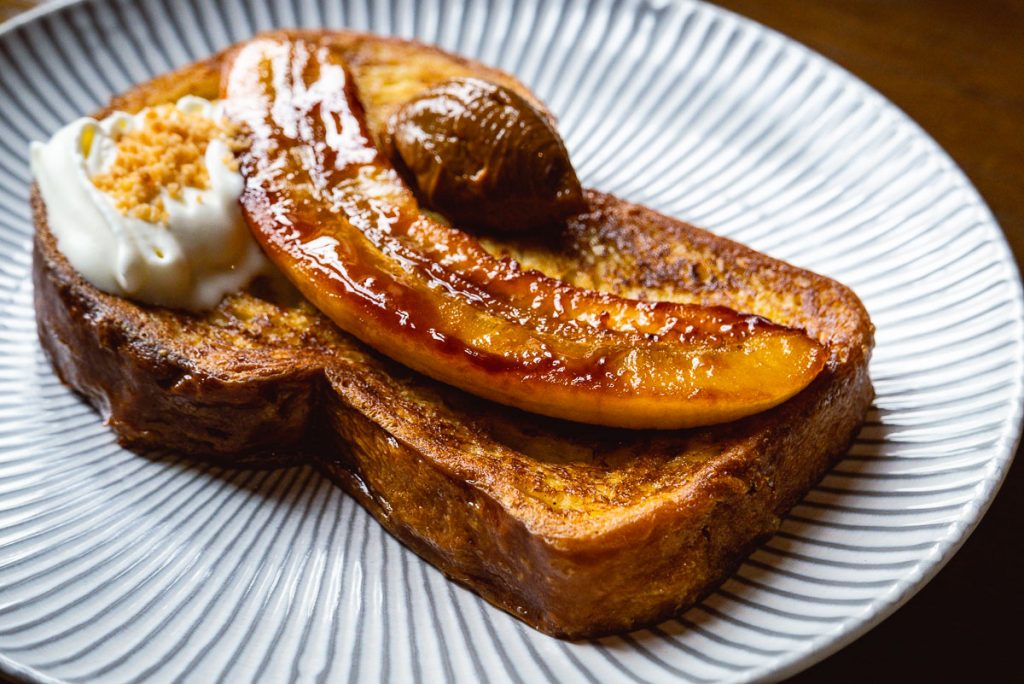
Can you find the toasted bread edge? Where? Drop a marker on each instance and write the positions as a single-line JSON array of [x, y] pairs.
[[601, 579]]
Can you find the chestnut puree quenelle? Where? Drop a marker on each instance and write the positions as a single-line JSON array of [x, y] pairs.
[[336, 217], [485, 158]]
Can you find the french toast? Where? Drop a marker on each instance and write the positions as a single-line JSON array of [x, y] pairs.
[[577, 530]]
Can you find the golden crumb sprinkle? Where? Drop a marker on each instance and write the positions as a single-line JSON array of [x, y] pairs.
[[165, 152]]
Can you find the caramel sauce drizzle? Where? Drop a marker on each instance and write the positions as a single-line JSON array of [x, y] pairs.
[[332, 212]]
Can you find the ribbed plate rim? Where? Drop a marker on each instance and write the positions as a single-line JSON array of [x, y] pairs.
[[998, 467], [959, 532]]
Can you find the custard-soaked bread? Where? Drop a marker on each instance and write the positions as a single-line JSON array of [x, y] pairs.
[[577, 530]]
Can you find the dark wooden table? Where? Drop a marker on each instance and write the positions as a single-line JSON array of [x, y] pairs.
[[957, 67]]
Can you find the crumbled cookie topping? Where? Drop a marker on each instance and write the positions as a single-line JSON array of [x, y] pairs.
[[165, 153]]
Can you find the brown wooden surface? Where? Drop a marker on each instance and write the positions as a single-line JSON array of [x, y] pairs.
[[957, 67], [8, 8]]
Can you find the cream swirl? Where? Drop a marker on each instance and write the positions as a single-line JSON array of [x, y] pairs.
[[199, 248]]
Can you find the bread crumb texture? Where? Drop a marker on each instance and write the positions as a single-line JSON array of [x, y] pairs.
[[166, 152]]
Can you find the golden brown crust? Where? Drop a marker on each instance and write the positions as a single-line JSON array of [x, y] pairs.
[[577, 530], [228, 386]]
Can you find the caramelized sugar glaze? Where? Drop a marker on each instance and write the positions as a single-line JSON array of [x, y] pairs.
[[335, 216]]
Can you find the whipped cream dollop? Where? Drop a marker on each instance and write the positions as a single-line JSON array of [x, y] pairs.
[[187, 249]]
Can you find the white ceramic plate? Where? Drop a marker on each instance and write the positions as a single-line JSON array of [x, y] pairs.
[[114, 567]]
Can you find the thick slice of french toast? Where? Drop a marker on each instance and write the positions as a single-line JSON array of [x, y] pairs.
[[577, 530]]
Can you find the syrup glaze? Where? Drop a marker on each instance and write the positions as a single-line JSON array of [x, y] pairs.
[[336, 217]]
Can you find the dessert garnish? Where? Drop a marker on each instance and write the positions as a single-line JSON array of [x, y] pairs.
[[485, 158], [145, 206], [333, 214]]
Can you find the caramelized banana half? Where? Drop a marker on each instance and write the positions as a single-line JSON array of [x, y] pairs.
[[336, 218]]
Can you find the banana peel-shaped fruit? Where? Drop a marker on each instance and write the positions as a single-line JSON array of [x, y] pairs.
[[333, 214]]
